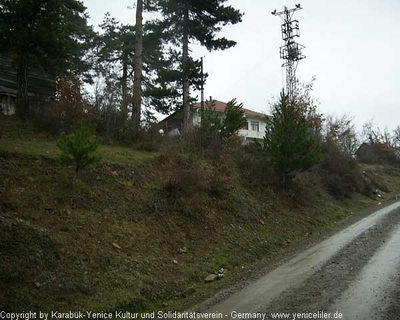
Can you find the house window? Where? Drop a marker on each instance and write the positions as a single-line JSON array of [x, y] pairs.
[[246, 126], [255, 126]]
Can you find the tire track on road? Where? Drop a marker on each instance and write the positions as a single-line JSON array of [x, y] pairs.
[[305, 271], [322, 291]]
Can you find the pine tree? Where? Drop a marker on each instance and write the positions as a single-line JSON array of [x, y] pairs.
[[47, 34], [233, 119], [115, 58], [116, 62], [217, 126], [79, 147], [199, 20], [165, 90], [287, 141]]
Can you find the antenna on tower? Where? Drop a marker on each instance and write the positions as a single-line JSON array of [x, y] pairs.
[[291, 52]]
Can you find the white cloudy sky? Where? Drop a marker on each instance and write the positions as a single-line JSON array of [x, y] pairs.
[[352, 47]]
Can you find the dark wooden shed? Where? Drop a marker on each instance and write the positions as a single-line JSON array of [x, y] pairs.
[[39, 84]]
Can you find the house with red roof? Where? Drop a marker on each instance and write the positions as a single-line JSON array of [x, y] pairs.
[[254, 129]]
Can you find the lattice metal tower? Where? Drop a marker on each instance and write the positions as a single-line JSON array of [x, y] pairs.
[[291, 52]]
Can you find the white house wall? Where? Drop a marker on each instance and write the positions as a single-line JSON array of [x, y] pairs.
[[247, 134], [251, 134]]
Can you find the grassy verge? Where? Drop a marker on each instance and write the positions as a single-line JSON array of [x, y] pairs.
[[26, 139]]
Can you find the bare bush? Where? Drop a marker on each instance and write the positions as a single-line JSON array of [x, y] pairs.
[[68, 108], [379, 146], [341, 132], [187, 181], [340, 172]]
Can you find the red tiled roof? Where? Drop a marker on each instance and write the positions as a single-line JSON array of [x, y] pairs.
[[220, 106]]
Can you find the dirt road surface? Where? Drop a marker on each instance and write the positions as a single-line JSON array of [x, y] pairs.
[[354, 274]]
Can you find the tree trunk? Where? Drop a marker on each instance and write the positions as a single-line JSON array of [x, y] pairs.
[[124, 105], [137, 81], [22, 90], [185, 66]]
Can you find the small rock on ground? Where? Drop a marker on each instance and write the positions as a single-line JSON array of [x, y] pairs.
[[211, 278]]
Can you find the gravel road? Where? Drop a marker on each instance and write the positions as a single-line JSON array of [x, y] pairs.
[[353, 274]]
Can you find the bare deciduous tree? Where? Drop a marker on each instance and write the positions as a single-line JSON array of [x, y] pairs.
[[340, 131]]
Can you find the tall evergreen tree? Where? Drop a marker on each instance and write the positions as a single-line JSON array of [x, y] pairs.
[[47, 34], [165, 88], [117, 59], [200, 20], [287, 141]]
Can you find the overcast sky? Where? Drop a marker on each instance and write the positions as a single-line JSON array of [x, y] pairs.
[[352, 47]]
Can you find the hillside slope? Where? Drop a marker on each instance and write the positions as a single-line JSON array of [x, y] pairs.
[[142, 231]]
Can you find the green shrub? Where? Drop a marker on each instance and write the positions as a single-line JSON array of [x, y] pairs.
[[218, 127], [79, 147], [233, 120]]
